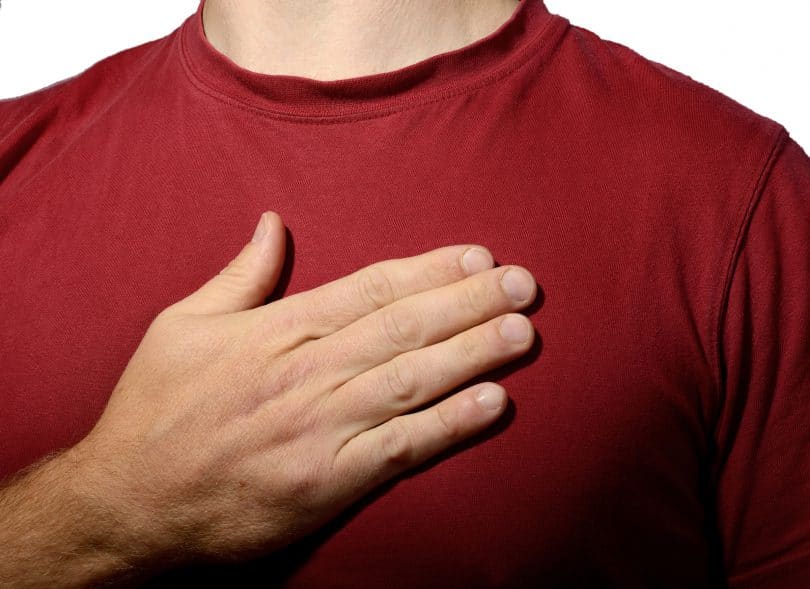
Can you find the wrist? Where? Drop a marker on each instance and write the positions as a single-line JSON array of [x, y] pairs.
[[56, 533], [125, 534]]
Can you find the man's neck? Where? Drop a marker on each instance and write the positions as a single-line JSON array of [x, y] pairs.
[[337, 39]]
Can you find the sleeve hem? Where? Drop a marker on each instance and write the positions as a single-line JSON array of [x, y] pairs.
[[777, 145]]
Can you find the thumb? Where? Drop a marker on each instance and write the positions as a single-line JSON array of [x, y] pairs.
[[248, 279]]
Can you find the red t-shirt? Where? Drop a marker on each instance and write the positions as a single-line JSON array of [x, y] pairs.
[[659, 433]]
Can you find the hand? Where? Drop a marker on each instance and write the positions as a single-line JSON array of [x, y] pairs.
[[237, 427]]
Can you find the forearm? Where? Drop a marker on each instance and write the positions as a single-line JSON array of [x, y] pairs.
[[54, 535]]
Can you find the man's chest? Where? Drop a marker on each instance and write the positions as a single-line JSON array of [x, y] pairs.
[[599, 455]]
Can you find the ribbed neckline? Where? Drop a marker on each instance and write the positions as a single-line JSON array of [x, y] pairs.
[[531, 30]]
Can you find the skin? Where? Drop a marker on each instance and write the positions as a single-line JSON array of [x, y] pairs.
[[335, 39], [238, 427]]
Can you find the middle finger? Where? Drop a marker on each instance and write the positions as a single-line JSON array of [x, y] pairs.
[[420, 320]]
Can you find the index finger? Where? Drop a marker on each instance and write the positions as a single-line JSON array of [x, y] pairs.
[[323, 310]]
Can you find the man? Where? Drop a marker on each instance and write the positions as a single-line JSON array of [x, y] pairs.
[[658, 436]]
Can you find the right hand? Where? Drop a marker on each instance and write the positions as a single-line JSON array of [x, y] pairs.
[[238, 427]]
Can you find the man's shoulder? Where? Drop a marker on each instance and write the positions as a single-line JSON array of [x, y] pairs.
[[661, 108], [81, 93], [40, 125]]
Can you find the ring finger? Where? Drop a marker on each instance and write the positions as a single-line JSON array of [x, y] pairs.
[[414, 378]]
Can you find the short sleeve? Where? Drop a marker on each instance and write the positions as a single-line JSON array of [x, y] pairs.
[[762, 436]]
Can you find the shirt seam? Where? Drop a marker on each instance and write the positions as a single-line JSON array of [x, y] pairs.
[[550, 26], [731, 265]]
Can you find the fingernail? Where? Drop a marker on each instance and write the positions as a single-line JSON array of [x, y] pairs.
[[491, 398], [518, 284], [515, 329], [476, 260], [261, 230]]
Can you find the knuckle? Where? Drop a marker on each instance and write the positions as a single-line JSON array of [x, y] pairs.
[[400, 383], [292, 323], [437, 272], [375, 286], [476, 296], [307, 316], [402, 328], [291, 371], [276, 322], [449, 423], [397, 444], [471, 345]]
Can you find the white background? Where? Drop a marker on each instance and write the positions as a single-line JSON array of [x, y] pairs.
[[756, 52]]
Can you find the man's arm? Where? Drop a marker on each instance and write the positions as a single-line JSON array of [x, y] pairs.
[[52, 535], [763, 430]]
